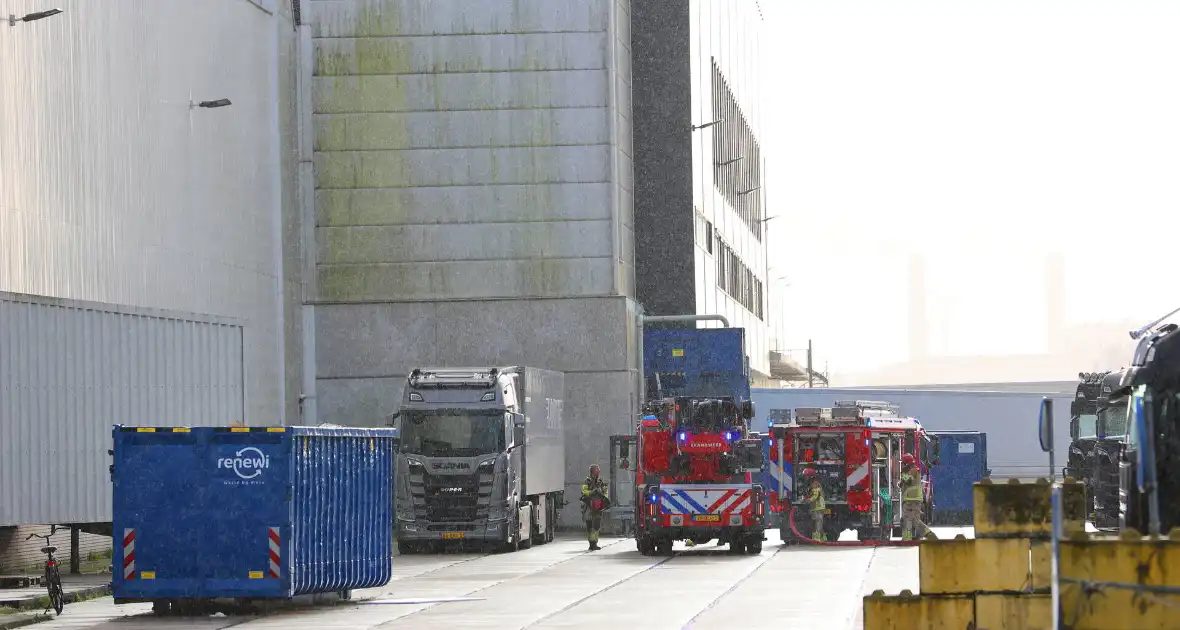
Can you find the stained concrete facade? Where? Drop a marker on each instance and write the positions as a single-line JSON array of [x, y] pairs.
[[473, 202], [700, 195]]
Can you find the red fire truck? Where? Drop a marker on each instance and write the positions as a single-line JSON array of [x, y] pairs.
[[693, 476], [855, 449]]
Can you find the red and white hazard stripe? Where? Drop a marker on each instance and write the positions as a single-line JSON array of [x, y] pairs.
[[858, 476], [129, 554], [738, 502], [273, 536]]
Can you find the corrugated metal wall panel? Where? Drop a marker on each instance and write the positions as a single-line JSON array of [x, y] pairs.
[[70, 370], [114, 190]]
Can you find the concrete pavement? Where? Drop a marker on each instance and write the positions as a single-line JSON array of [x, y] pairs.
[[560, 585]]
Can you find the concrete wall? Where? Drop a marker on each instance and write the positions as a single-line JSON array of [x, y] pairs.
[[666, 281], [113, 190], [473, 202]]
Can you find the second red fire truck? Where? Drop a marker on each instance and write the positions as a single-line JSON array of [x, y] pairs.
[[855, 449]]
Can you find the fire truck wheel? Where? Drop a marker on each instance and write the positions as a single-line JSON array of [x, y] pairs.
[[644, 545], [737, 547], [664, 547], [754, 546]]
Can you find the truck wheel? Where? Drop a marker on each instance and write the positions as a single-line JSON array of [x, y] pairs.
[[664, 547], [644, 545], [737, 546], [754, 546], [406, 548]]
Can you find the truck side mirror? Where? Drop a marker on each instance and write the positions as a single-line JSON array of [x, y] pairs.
[[747, 409], [518, 434], [1073, 428], [1045, 428], [391, 419]]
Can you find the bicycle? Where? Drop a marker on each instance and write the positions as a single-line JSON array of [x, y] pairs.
[[52, 575]]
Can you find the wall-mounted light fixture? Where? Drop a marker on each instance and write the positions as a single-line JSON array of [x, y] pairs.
[[33, 17], [767, 219], [708, 124], [746, 192], [221, 102], [728, 162]]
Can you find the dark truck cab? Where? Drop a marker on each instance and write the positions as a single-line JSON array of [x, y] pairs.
[[1108, 450], [1083, 432], [1149, 468]]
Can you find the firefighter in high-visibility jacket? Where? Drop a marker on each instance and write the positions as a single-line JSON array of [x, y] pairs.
[[815, 500], [911, 500], [595, 500]]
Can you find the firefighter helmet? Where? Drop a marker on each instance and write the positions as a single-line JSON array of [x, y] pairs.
[[908, 459], [809, 472]]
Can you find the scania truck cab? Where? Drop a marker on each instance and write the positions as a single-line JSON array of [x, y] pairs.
[[481, 457]]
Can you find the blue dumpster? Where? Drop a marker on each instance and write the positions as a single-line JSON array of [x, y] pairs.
[[250, 512], [962, 462]]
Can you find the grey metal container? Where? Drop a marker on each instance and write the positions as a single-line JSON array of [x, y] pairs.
[[69, 370]]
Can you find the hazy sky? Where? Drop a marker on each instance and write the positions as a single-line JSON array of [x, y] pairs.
[[983, 133]]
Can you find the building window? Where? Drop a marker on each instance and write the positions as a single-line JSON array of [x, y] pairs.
[[737, 280], [737, 156], [709, 236]]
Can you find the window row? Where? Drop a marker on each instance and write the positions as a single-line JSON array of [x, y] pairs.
[[736, 279], [737, 158]]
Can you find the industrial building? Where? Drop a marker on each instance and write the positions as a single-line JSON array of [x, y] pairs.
[[473, 203], [146, 188], [268, 212], [700, 199]]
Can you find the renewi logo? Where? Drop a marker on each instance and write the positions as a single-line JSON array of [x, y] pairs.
[[247, 463]]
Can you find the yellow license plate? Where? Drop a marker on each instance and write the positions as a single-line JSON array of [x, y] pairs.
[[452, 535], [707, 518]]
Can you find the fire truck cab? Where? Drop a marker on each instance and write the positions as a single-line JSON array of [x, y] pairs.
[[855, 449], [693, 479]]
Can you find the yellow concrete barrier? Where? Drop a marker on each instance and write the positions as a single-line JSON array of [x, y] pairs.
[[1042, 565], [1130, 560], [1023, 509], [918, 612], [1004, 611], [962, 565]]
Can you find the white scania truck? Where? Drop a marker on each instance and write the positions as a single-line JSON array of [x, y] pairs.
[[481, 457]]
